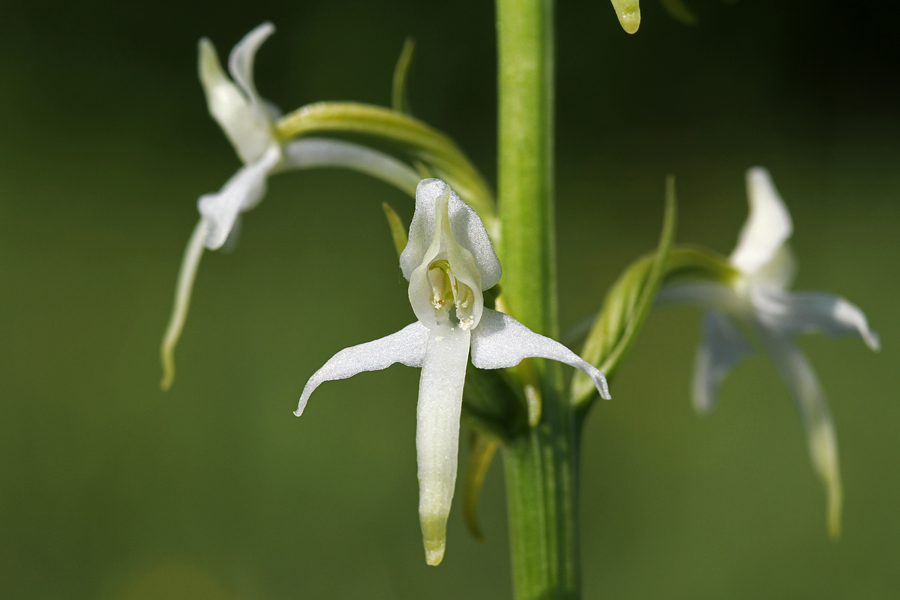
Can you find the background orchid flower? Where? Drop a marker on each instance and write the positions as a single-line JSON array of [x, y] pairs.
[[758, 298], [449, 261], [248, 121]]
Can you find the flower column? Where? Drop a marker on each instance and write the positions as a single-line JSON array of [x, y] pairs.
[[539, 466]]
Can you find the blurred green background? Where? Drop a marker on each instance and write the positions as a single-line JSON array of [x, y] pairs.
[[111, 489]]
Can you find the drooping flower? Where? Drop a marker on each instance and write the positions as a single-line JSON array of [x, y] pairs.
[[759, 299], [248, 121], [449, 262]]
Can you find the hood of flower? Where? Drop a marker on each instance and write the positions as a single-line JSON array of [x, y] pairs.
[[449, 259], [445, 289]]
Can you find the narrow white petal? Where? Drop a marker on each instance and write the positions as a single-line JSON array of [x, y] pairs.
[[189, 265], [406, 347], [247, 130], [468, 230], [240, 64], [437, 433], [808, 312], [821, 439], [722, 347], [309, 153], [768, 226], [500, 341], [703, 294], [242, 192]]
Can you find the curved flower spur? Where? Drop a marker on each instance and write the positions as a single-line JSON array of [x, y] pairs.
[[248, 121], [758, 297], [449, 262]]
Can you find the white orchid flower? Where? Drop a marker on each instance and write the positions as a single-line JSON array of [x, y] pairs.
[[449, 261], [248, 121], [759, 297]]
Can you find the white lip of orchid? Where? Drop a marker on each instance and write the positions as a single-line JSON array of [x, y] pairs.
[[761, 299], [449, 261]]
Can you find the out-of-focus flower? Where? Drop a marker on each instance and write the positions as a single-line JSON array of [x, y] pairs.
[[248, 121], [758, 299], [449, 261]]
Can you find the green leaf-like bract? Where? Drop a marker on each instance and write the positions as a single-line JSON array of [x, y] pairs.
[[626, 306]]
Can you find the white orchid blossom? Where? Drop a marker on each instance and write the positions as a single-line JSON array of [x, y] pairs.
[[248, 121], [449, 261], [759, 297]]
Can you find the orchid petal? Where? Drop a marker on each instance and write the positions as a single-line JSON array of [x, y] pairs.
[[246, 128], [467, 228], [723, 346], [437, 432], [821, 439], [768, 226], [500, 341], [309, 153], [186, 275], [406, 347], [809, 312], [242, 192], [240, 65]]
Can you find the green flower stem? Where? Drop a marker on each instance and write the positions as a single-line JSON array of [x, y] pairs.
[[526, 171], [428, 144], [540, 464], [541, 496]]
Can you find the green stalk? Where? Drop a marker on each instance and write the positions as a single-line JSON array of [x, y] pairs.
[[541, 495], [526, 171], [428, 144], [541, 463]]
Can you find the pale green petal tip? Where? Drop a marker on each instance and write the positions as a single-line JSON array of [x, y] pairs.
[[434, 537], [434, 552], [189, 264], [835, 505], [629, 13], [825, 458], [168, 366], [835, 496], [208, 64]]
